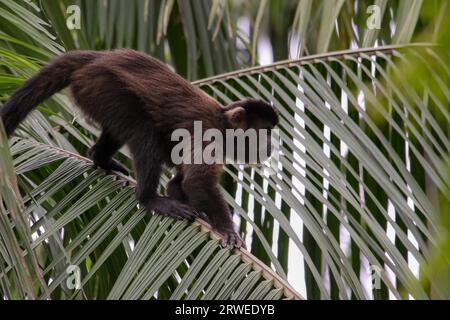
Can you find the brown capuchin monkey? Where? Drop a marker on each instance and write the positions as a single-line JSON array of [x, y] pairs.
[[139, 101]]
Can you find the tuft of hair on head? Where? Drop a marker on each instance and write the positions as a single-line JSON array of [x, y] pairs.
[[262, 109], [258, 108]]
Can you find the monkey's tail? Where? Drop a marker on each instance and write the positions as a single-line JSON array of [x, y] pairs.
[[50, 79]]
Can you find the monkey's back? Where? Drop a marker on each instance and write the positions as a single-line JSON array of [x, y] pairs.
[[128, 83]]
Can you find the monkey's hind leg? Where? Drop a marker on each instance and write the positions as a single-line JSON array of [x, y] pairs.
[[174, 189], [148, 159], [103, 151], [200, 184]]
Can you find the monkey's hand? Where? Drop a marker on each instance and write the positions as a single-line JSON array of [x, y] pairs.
[[232, 239], [107, 164], [112, 166], [116, 166]]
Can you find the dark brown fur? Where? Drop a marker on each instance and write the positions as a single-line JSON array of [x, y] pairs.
[[138, 101]]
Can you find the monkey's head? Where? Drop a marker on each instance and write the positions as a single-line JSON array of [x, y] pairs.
[[252, 121]]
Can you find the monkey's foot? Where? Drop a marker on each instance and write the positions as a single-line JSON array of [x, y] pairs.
[[172, 208], [232, 239]]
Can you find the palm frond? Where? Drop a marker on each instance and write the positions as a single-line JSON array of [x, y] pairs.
[[366, 188], [82, 217]]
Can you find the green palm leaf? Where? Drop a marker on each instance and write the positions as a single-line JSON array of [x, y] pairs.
[[302, 91], [83, 218]]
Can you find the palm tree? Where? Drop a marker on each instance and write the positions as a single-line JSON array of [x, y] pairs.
[[361, 191]]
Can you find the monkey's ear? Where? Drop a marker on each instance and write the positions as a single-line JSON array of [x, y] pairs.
[[236, 117]]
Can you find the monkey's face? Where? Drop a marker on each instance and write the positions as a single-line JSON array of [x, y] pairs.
[[252, 122]]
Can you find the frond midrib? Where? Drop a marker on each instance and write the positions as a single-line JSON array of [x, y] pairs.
[[309, 59]]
